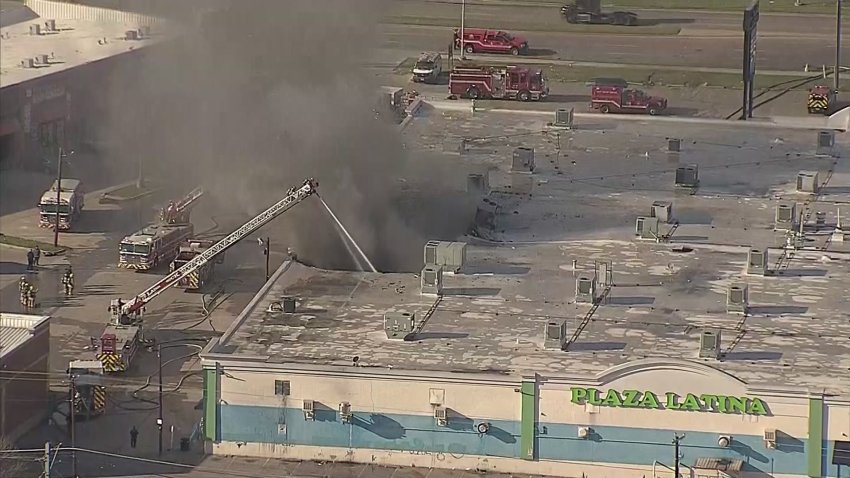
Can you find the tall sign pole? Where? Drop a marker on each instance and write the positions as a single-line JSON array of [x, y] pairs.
[[837, 71], [676, 439], [751, 18]]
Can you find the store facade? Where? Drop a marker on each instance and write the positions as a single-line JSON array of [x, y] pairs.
[[620, 423]]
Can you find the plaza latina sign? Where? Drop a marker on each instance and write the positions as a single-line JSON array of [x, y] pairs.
[[669, 401]]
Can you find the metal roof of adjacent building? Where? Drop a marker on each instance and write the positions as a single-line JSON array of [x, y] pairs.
[[75, 42], [590, 185], [16, 329]]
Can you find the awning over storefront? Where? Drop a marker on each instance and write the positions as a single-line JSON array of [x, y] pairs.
[[841, 454], [726, 465]]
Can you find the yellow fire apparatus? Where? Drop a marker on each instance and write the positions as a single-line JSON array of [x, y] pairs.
[[821, 100]]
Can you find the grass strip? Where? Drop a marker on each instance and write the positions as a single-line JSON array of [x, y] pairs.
[[129, 192], [657, 30], [45, 247]]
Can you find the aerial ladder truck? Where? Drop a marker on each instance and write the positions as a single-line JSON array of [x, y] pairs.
[[122, 337], [178, 213]]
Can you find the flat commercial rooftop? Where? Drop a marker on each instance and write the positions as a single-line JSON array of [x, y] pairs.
[[583, 206], [75, 43]]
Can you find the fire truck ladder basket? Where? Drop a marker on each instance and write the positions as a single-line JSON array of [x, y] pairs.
[[293, 197]]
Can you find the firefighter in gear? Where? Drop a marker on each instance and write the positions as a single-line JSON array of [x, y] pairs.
[[68, 281], [30, 296], [23, 286], [821, 100]]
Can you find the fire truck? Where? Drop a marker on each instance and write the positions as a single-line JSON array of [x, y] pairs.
[[198, 278], [512, 82], [159, 243], [480, 40], [821, 99], [122, 337], [614, 96], [90, 399], [70, 195]]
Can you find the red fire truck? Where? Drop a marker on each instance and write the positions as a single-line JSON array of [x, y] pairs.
[[480, 40], [487, 82], [616, 97]]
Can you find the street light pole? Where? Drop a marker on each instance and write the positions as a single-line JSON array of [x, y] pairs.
[[267, 252], [837, 44], [676, 439], [159, 419], [58, 198], [462, 20], [73, 412]]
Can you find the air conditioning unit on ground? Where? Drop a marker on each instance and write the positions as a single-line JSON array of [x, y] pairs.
[[770, 438], [441, 416], [308, 407]]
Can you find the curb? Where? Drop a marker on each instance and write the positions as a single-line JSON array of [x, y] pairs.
[[107, 198], [46, 254]]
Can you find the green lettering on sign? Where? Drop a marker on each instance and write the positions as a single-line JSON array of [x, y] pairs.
[[691, 402]]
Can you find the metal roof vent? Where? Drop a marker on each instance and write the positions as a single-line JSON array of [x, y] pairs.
[[826, 142], [432, 280], [709, 344], [585, 290], [399, 325], [28, 63], [564, 118], [35, 29], [663, 210], [807, 182], [431, 252], [555, 335], [757, 262], [523, 160], [674, 145], [131, 35], [737, 298], [478, 183], [646, 227], [50, 25], [785, 218], [687, 176]]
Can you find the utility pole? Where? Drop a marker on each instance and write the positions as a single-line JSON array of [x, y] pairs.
[[73, 413], [58, 198], [267, 252], [837, 44], [46, 472], [462, 20], [676, 439], [159, 419]]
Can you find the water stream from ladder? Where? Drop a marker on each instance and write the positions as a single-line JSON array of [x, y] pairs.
[[350, 239]]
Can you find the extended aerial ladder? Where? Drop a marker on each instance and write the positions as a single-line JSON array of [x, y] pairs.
[[129, 312], [178, 213]]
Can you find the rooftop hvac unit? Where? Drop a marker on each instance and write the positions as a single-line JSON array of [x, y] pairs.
[[583, 432], [564, 118], [663, 210], [785, 217], [646, 227], [131, 35], [687, 176], [431, 252], [478, 183], [399, 325], [28, 63], [585, 290], [35, 29], [432, 280], [807, 182], [770, 438], [451, 256], [522, 183], [288, 304], [523, 160], [441, 416], [674, 145], [737, 298], [345, 411], [309, 409], [757, 262], [486, 215], [42, 59], [50, 25], [555, 335], [709, 344], [826, 141]]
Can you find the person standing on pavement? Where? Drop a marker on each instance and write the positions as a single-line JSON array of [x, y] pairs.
[[134, 436], [30, 259], [36, 255], [30, 299], [68, 281]]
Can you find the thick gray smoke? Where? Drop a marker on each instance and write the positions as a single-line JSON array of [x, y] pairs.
[[256, 98]]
